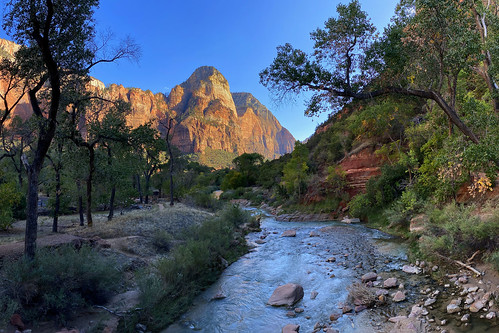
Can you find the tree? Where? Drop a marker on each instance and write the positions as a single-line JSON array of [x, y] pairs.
[[57, 48], [247, 164], [150, 149], [349, 63], [295, 171]]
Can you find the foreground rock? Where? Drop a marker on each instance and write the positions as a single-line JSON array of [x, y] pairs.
[[287, 294], [408, 325], [289, 233], [291, 328]]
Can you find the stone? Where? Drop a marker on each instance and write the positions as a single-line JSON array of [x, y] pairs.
[[290, 314], [314, 234], [399, 296], [390, 283], [349, 220], [411, 269], [472, 289], [491, 315], [334, 316], [289, 233], [331, 259], [291, 328], [408, 325], [218, 296], [453, 308], [260, 241], [331, 330], [416, 312], [430, 301], [434, 268], [347, 309], [465, 318], [313, 294], [287, 294], [299, 310], [476, 306], [463, 279], [371, 276]]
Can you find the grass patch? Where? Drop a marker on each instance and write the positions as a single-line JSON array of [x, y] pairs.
[[56, 283], [167, 290]]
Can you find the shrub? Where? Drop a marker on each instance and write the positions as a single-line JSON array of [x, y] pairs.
[[454, 232], [162, 241], [359, 206], [58, 282]]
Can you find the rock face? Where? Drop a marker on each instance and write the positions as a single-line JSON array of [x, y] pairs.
[[287, 294], [211, 118]]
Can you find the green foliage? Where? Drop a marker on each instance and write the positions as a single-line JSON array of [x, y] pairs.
[[215, 158], [455, 232], [493, 259], [336, 180], [359, 206], [10, 197], [162, 241], [57, 282], [234, 179], [204, 198], [295, 171], [168, 290]]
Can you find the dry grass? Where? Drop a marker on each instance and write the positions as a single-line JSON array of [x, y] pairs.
[[144, 222], [360, 294]]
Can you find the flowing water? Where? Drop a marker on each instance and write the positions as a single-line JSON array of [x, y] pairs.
[[249, 282]]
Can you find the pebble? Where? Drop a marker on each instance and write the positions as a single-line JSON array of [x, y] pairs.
[[390, 283], [430, 301], [491, 315], [477, 306], [453, 308], [371, 276], [465, 318], [299, 310], [313, 294], [334, 316]]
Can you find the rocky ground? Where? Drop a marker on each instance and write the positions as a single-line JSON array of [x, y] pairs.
[[130, 238]]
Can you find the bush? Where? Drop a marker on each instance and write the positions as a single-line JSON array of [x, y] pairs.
[[162, 241], [359, 206], [57, 282], [454, 232], [168, 289]]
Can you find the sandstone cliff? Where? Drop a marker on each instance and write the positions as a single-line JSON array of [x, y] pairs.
[[210, 117]]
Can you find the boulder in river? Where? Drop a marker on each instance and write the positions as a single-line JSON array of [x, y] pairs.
[[289, 233], [291, 328], [287, 294]]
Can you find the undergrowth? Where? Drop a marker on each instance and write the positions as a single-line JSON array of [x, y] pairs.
[[56, 283], [167, 289]]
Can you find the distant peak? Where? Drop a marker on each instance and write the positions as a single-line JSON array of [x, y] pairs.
[[205, 72]]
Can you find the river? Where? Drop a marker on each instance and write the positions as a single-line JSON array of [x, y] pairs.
[[248, 283]]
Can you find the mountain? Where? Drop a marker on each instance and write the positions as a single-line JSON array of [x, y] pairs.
[[212, 120]]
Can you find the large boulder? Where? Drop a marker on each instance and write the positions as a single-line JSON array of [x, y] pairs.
[[287, 294], [291, 328], [289, 233]]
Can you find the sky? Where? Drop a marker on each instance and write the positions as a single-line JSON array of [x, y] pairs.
[[237, 37]]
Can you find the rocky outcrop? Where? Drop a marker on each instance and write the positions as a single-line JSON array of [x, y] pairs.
[[359, 167], [210, 117]]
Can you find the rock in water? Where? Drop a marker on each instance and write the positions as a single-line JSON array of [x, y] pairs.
[[289, 233], [390, 283], [291, 328], [287, 294]]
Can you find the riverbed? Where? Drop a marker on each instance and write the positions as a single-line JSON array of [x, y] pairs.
[[237, 301]]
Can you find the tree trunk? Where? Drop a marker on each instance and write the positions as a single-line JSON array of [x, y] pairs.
[[57, 206], [147, 178], [111, 204], [171, 177], [80, 203], [139, 188], [91, 169], [31, 214]]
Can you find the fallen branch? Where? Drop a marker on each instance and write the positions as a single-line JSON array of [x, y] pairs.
[[460, 263], [108, 310], [472, 257]]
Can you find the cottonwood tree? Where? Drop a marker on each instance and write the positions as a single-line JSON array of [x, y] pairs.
[[57, 47], [348, 62]]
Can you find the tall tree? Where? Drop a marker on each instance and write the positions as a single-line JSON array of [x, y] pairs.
[[57, 48], [347, 63]]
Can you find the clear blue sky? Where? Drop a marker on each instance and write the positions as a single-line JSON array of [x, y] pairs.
[[237, 37]]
